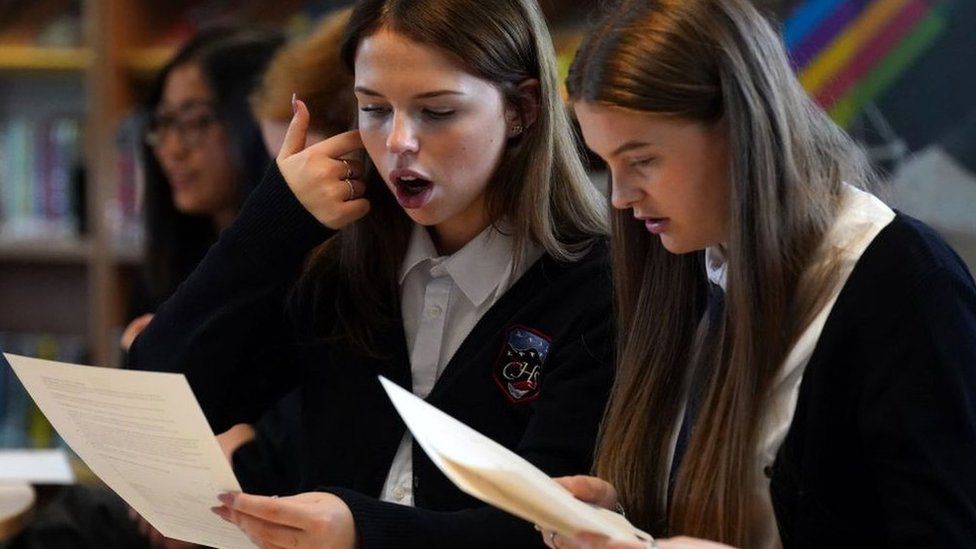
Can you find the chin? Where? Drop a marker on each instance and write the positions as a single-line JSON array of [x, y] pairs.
[[677, 247], [422, 217], [186, 205]]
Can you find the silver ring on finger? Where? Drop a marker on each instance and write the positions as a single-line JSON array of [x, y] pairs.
[[349, 173], [352, 190]]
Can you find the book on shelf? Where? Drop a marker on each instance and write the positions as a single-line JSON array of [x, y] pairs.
[[39, 186], [124, 214], [21, 424], [51, 23]]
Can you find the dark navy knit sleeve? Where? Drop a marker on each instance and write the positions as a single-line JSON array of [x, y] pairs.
[[559, 439], [226, 326], [916, 412]]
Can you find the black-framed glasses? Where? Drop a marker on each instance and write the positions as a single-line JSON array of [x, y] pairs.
[[190, 123]]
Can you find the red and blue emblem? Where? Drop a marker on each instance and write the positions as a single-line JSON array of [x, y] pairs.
[[518, 371]]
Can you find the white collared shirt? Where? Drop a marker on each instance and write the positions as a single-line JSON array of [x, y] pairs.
[[861, 217], [441, 299]]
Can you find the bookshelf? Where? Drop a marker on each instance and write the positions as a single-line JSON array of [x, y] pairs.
[[65, 251], [40, 59], [91, 60]]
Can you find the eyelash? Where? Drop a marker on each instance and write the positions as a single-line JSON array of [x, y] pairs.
[[375, 112], [438, 115], [643, 163], [378, 112]]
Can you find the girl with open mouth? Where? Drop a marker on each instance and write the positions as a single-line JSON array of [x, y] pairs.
[[469, 238]]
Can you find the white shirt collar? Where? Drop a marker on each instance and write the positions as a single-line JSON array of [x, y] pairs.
[[859, 209], [716, 265], [420, 249], [477, 268]]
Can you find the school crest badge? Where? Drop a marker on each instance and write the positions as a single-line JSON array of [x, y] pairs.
[[518, 370]]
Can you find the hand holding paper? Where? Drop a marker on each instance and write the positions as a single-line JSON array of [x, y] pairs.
[[312, 519], [143, 433], [492, 473]]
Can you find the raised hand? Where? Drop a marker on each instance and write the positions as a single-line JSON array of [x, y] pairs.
[[326, 176]]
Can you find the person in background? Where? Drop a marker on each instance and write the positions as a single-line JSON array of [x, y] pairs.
[[310, 68], [797, 361], [203, 155], [267, 456]]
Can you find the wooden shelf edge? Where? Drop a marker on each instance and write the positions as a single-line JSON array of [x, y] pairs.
[[45, 59], [127, 255], [45, 251]]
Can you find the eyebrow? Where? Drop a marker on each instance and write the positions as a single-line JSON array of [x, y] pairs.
[[185, 106], [426, 95], [629, 146]]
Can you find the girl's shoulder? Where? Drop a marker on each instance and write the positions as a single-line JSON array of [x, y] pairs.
[[906, 253], [908, 269], [593, 260]]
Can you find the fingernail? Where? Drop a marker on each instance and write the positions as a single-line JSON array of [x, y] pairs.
[[294, 108], [221, 512], [581, 542], [227, 499]]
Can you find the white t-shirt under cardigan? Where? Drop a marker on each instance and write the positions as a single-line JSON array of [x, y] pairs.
[[441, 299]]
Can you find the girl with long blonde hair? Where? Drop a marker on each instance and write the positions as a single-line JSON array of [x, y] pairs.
[[796, 361]]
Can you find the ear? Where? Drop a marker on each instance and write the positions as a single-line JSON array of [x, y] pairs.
[[525, 110]]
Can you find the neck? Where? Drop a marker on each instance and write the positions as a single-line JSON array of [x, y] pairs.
[[453, 234]]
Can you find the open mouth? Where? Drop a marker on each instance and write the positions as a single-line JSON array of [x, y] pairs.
[[412, 191], [412, 186]]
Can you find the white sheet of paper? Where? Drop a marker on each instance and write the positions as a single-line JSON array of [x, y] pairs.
[[496, 475], [35, 467], [144, 435]]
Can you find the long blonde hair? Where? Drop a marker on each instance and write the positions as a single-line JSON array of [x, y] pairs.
[[711, 61]]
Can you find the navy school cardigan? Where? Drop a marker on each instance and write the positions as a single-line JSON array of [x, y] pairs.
[[227, 329], [882, 448]]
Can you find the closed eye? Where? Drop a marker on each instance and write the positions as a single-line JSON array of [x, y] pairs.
[[642, 162], [439, 114], [375, 111]]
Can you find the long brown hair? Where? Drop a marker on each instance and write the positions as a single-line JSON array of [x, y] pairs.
[[539, 188], [712, 61]]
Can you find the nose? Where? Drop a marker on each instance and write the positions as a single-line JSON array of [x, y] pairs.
[[623, 195], [402, 137]]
